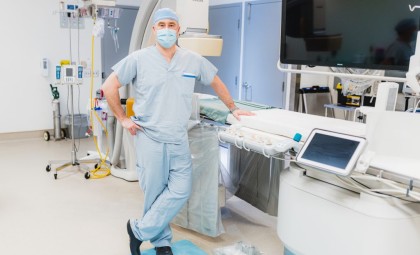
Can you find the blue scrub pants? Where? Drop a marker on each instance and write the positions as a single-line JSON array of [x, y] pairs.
[[165, 175]]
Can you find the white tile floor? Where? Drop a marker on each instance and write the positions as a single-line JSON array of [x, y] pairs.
[[74, 216]]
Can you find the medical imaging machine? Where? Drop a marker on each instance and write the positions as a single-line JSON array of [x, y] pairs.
[[353, 188], [350, 187]]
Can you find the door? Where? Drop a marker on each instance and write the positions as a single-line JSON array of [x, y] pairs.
[[262, 81], [110, 56], [225, 20]]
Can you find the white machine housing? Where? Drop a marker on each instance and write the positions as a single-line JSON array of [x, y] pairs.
[[322, 214], [386, 98], [319, 218], [413, 74], [194, 22]]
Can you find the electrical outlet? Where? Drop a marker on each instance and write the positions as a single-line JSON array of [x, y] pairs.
[[73, 22], [86, 73]]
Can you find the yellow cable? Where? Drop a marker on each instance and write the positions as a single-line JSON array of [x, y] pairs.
[[102, 169]]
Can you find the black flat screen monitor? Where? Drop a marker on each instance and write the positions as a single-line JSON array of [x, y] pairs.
[[368, 34]]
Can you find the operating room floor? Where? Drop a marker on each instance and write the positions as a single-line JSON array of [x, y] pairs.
[[75, 216]]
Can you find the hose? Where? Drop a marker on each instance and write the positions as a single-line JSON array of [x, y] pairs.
[[102, 169]]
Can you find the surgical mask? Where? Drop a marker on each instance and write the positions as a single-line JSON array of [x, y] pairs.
[[166, 37]]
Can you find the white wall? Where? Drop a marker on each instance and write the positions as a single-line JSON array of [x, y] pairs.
[[135, 3], [31, 31], [219, 2], [212, 2]]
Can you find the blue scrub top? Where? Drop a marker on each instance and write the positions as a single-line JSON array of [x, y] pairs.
[[163, 91]]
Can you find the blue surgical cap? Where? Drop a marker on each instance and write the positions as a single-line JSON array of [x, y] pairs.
[[165, 13], [406, 25]]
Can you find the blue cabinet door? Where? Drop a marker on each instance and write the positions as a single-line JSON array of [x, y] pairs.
[[225, 20], [110, 56], [262, 81]]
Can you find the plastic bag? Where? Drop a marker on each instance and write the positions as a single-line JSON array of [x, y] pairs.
[[253, 178], [202, 210], [98, 29], [239, 248]]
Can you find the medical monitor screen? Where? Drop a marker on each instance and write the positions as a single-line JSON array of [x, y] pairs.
[[69, 72], [330, 150], [368, 34]]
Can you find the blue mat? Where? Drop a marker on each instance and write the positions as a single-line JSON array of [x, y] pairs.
[[182, 247]]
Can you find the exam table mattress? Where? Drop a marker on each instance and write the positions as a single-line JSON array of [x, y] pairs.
[[287, 123], [214, 109]]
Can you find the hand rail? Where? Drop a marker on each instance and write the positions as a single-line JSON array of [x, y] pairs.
[[345, 75]]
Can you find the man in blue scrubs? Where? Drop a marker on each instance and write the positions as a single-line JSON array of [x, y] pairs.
[[163, 79]]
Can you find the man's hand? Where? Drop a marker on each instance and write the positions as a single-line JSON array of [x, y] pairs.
[[223, 93], [237, 113], [130, 126]]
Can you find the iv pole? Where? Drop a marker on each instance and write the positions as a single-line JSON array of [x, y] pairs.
[[74, 161]]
